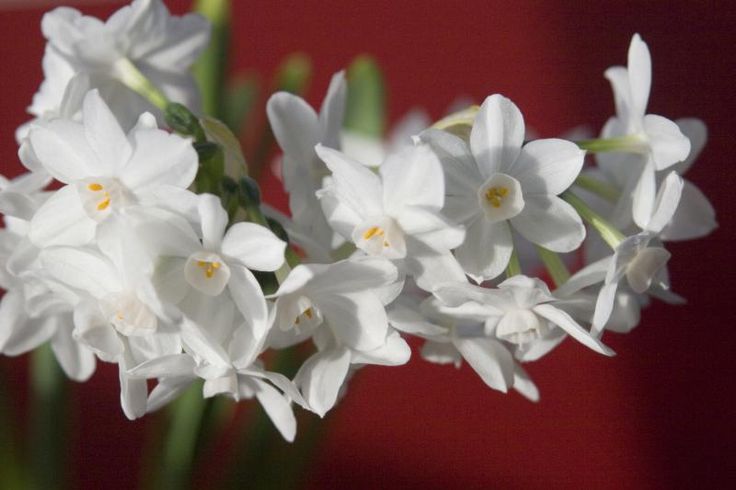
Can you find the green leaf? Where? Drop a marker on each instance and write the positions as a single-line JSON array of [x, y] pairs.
[[366, 106]]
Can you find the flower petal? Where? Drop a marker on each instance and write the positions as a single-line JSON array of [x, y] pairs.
[[248, 297], [640, 75], [321, 377], [61, 220], [278, 408], [412, 177], [295, 125], [332, 112], [694, 218], [77, 361], [104, 134], [486, 251], [547, 166], [490, 359], [497, 135], [550, 222], [669, 146], [214, 220], [565, 322], [254, 246]]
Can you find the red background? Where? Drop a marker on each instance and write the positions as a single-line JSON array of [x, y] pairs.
[[658, 415]]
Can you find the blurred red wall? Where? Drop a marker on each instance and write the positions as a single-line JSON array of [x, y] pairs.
[[659, 414]]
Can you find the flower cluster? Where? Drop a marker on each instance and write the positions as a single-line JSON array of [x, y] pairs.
[[135, 259]]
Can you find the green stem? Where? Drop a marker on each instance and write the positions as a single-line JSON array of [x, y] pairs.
[[11, 475], [514, 266], [131, 76], [181, 439], [607, 231], [555, 266], [632, 143], [598, 187], [211, 67], [48, 420]]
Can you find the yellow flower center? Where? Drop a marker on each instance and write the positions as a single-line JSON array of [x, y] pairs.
[[495, 195], [209, 268], [105, 201]]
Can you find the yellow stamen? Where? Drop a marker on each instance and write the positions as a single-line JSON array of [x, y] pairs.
[[104, 204], [371, 232], [209, 267], [495, 195], [309, 313], [215, 265], [95, 187]]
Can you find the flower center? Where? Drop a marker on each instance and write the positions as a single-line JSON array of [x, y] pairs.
[[500, 197], [381, 236], [129, 315], [100, 196], [207, 272]]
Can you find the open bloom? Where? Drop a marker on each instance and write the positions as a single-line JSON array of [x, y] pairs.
[[651, 142], [495, 184], [520, 311], [342, 307], [298, 129], [142, 38], [640, 259], [395, 214], [106, 171]]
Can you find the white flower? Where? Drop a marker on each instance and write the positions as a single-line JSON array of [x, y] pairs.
[[298, 129], [639, 258], [495, 182], [456, 333], [394, 214], [656, 142], [106, 171], [143, 35], [229, 367], [341, 306], [695, 216], [221, 261], [520, 311]]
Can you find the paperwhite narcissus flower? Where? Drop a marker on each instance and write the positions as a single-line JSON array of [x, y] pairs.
[[495, 183], [221, 260], [395, 214], [106, 171], [520, 311], [229, 368], [342, 307], [298, 129], [143, 35], [454, 334], [639, 258], [656, 142]]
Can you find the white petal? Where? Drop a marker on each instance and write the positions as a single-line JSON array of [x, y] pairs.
[[81, 269], [17, 205], [412, 177], [669, 146], [321, 378], [27, 334], [332, 112], [166, 391], [354, 184], [643, 269], [694, 218], [62, 149], [619, 78], [173, 365], [133, 394], [77, 361], [548, 166], [254, 246], [585, 277], [61, 220], [431, 267], [295, 125], [351, 275], [203, 345], [159, 158], [490, 359], [103, 132], [394, 352], [497, 135], [486, 251], [461, 172], [697, 132], [214, 220], [524, 384], [668, 199], [248, 297], [565, 322], [278, 408], [550, 222], [644, 195], [441, 353], [357, 319], [96, 332], [640, 75]]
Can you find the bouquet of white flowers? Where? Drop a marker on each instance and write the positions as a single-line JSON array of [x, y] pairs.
[[155, 252]]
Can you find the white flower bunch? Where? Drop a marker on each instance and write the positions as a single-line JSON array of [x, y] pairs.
[[147, 256]]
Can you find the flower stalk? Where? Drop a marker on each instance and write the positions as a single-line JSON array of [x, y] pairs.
[[607, 231]]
